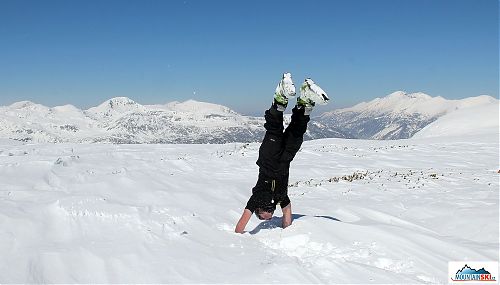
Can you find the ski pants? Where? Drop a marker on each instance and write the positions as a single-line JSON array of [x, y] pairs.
[[279, 146]]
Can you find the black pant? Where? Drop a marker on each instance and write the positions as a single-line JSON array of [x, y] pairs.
[[278, 148]]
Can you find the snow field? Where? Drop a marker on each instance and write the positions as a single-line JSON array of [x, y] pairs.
[[364, 212]]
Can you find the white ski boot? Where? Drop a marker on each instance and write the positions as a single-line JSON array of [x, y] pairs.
[[284, 91], [310, 95]]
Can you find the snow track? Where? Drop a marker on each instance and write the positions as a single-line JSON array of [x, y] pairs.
[[364, 212]]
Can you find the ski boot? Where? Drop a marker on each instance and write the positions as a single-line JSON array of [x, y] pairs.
[[284, 90], [310, 95]]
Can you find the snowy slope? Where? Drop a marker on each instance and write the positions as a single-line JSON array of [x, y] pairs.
[[402, 102], [476, 120], [398, 115], [364, 212]]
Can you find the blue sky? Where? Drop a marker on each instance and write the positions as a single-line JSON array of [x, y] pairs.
[[233, 52]]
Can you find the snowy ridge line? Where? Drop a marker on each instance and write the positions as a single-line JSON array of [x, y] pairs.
[[123, 121], [400, 115]]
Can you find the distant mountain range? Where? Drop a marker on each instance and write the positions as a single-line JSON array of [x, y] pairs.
[[397, 116], [121, 120]]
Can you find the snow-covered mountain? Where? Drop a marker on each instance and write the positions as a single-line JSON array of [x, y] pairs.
[[186, 122], [28, 121], [114, 108], [397, 116], [471, 121], [122, 120]]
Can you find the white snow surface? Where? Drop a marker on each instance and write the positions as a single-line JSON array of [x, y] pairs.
[[476, 120], [364, 212]]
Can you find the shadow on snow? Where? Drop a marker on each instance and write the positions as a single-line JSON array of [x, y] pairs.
[[275, 222]]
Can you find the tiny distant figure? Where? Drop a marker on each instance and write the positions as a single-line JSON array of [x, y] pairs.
[[278, 149]]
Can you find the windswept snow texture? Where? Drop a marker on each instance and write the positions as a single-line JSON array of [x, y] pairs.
[[364, 212]]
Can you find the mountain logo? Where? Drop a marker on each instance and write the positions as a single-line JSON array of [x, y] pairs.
[[474, 272]]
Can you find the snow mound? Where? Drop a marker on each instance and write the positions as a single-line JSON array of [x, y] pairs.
[[193, 106], [116, 106], [66, 109], [479, 119], [28, 106]]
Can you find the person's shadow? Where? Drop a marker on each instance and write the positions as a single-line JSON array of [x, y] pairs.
[[275, 222]]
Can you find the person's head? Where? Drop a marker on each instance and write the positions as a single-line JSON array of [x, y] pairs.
[[265, 213]]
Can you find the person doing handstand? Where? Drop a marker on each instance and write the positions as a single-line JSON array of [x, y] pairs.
[[278, 149]]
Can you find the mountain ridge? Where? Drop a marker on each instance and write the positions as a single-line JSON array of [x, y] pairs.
[[398, 115], [123, 120]]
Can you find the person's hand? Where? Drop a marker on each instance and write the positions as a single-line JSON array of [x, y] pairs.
[[245, 217], [287, 215]]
